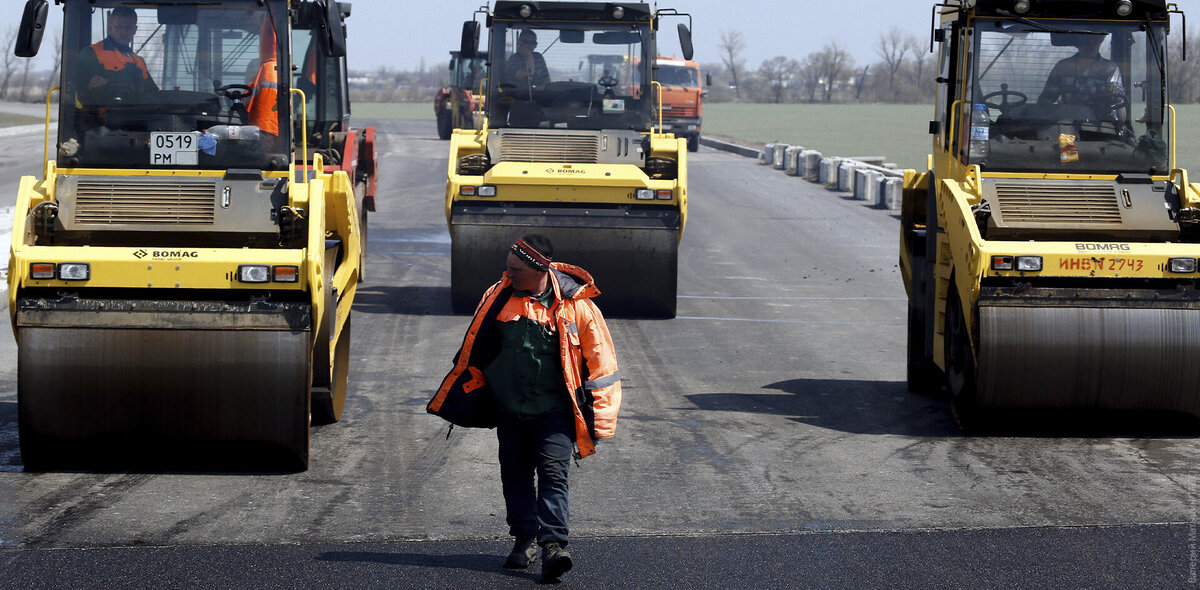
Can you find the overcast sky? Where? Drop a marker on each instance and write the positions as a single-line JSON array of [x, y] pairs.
[[399, 33]]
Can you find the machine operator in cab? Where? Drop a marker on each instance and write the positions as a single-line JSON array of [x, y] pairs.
[[1088, 79], [109, 66]]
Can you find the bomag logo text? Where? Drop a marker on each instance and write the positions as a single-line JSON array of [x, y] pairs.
[[174, 254], [566, 171], [1102, 247]]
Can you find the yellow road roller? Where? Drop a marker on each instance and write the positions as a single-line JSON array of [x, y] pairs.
[[176, 282], [1050, 253], [572, 147]]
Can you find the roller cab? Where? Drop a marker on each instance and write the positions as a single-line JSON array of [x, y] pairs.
[[572, 147], [1050, 252], [177, 286]]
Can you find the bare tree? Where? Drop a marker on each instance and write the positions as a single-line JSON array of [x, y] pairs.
[[8, 63], [835, 64], [1184, 76], [52, 79], [891, 49], [778, 73], [731, 48], [810, 75], [25, 66], [919, 48]]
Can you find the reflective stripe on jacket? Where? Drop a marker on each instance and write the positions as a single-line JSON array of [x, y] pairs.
[[588, 358], [264, 104]]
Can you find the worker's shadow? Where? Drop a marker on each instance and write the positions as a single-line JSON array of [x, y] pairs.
[[856, 406], [407, 300], [477, 562]]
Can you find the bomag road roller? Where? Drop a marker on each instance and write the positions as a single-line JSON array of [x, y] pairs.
[[178, 286], [572, 152], [1050, 254]]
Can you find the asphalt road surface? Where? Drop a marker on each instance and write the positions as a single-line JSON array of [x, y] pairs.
[[767, 439]]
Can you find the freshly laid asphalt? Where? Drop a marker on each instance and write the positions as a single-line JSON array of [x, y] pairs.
[[766, 440]]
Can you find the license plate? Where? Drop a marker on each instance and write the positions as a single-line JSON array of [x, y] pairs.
[[174, 149]]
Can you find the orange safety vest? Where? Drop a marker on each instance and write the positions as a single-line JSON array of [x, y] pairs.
[[584, 345], [264, 104], [115, 60]]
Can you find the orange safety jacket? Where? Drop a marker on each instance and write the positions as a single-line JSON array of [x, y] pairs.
[[585, 348], [264, 104], [113, 58]]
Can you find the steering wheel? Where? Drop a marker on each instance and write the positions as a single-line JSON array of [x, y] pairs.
[[1004, 93], [235, 91], [607, 81]]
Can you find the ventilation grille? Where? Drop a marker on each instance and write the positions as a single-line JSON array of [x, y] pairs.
[[1075, 202], [679, 110], [146, 202], [544, 147]]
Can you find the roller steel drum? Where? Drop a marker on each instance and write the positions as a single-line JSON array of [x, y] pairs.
[[1089, 357], [632, 255], [141, 378]]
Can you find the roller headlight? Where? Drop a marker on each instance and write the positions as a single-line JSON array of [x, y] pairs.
[[1124, 7], [1182, 265], [470, 190], [644, 194], [74, 271], [1029, 263], [254, 273], [1021, 6]]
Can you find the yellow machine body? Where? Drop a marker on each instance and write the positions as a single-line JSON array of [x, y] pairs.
[[1050, 263], [581, 158], [181, 309]]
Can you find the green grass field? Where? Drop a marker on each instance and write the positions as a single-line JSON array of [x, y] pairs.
[[11, 120], [897, 132]]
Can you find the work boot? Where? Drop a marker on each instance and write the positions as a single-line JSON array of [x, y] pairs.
[[556, 561], [524, 551]]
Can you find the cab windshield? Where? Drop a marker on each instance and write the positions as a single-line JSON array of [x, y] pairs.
[[678, 76], [1068, 96], [569, 76], [173, 86], [467, 73], [319, 77]]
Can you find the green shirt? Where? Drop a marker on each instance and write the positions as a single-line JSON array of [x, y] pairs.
[[526, 376]]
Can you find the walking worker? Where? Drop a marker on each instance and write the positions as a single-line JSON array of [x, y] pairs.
[[538, 364]]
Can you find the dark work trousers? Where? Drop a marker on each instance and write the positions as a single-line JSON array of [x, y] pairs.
[[544, 446]]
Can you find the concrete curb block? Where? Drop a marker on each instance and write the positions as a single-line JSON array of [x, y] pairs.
[[779, 156], [867, 178], [791, 160], [730, 147]]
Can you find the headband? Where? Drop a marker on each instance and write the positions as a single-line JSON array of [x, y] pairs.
[[531, 256]]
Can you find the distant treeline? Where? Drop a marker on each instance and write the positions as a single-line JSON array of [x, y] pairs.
[[904, 73]]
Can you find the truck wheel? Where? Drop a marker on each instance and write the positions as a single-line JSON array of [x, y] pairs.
[[694, 143], [445, 124]]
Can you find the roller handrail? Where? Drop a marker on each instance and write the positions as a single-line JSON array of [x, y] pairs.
[[303, 136]]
